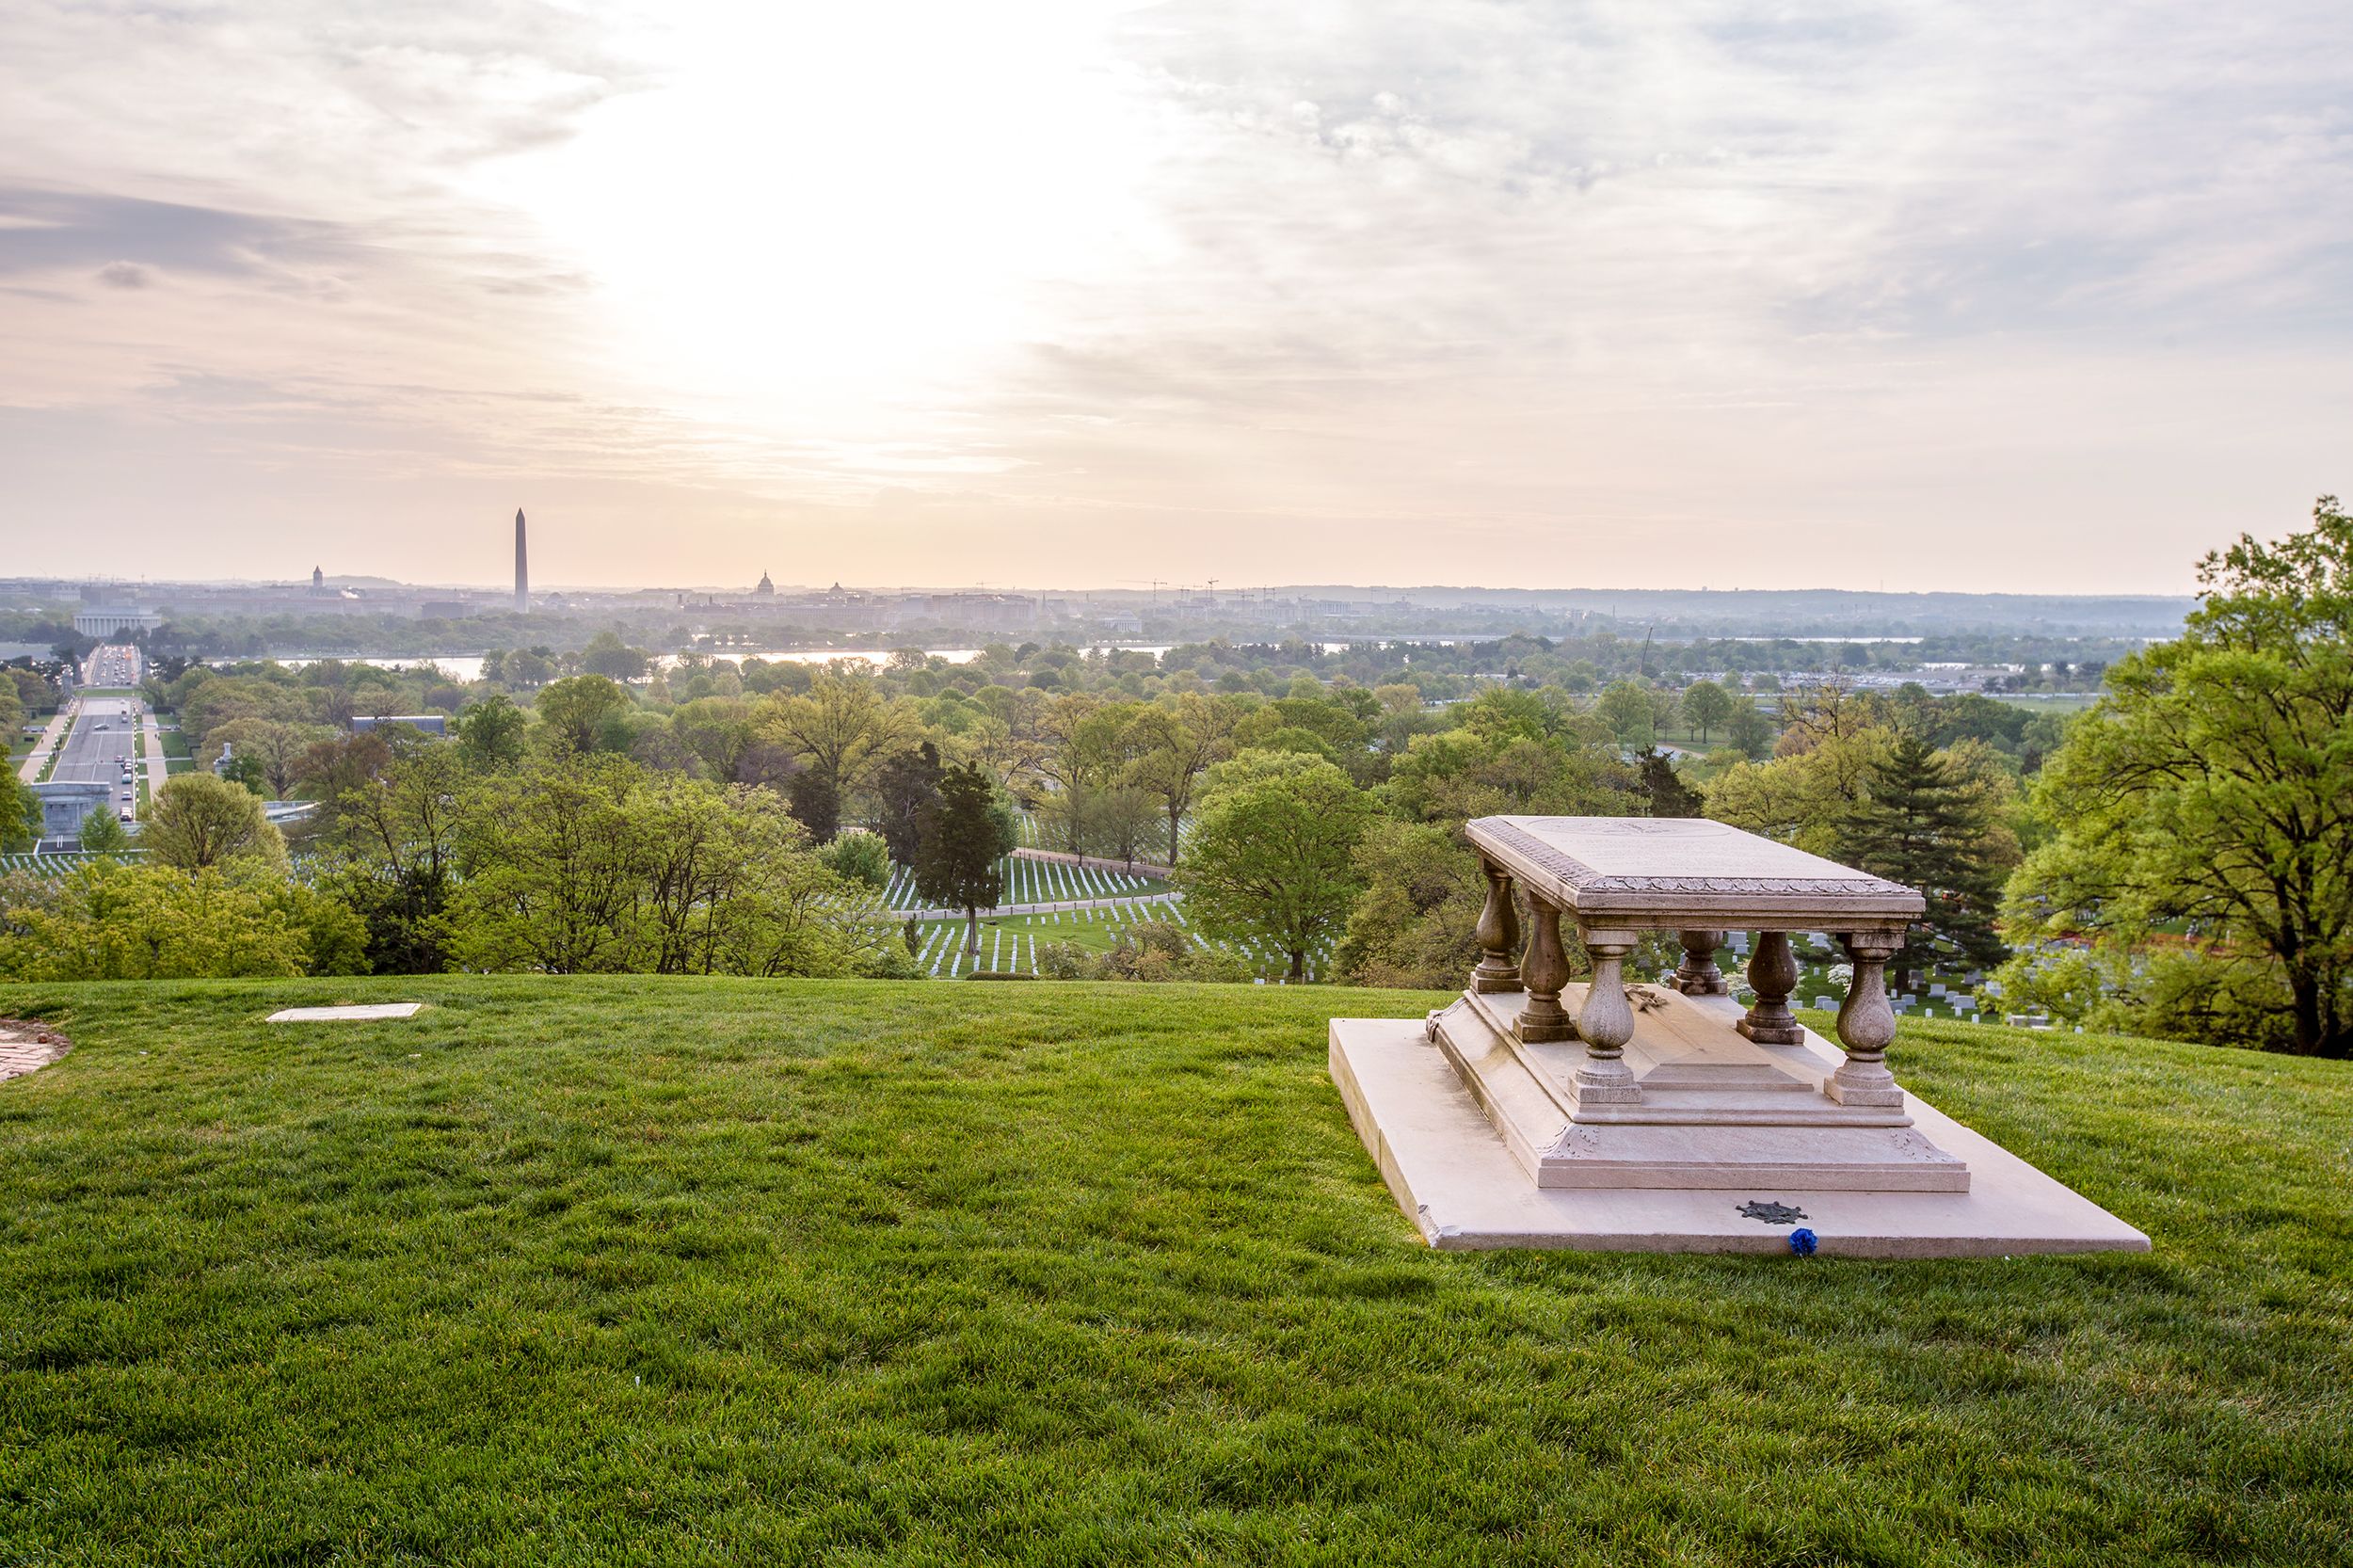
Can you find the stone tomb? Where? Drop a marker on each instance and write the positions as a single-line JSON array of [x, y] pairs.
[[1537, 1112]]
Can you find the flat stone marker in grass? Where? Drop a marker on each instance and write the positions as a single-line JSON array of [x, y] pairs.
[[368, 1012]]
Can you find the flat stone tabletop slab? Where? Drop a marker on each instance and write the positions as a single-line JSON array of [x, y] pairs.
[[326, 1015], [1662, 872]]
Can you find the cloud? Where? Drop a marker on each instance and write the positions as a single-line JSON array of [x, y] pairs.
[[1575, 292], [121, 237]]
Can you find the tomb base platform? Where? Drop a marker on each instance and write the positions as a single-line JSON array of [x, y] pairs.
[[1700, 1106], [1486, 1143]]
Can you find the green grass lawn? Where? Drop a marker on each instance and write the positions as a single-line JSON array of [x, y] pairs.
[[636, 1271]]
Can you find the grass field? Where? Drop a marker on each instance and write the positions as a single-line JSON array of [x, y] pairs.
[[636, 1270]]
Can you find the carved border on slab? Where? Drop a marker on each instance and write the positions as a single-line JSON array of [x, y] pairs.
[[1503, 835]]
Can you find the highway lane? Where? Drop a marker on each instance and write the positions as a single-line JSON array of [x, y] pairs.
[[104, 732]]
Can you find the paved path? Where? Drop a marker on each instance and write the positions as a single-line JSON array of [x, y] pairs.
[[26, 1047], [151, 761], [30, 771], [1035, 908]]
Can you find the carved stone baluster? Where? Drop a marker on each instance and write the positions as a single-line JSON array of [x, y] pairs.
[[1772, 974], [1699, 976], [1499, 935], [1606, 1023], [1866, 1025], [1544, 971]]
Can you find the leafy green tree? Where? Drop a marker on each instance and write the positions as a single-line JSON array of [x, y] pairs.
[[552, 870], [1924, 822], [1413, 923], [1705, 706], [245, 771], [2212, 785], [197, 821], [1455, 774], [266, 755], [393, 848], [1625, 710], [491, 732], [608, 656], [1747, 727], [103, 833], [1271, 853], [576, 710], [965, 834], [1177, 741], [839, 730], [19, 815], [107, 920], [859, 856]]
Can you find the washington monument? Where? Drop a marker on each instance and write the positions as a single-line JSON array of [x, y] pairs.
[[522, 566]]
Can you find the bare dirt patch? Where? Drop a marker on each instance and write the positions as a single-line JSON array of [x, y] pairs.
[[27, 1046]]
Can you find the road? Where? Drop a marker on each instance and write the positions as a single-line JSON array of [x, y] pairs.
[[106, 729]]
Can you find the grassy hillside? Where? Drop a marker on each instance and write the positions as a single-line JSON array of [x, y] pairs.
[[685, 1271]]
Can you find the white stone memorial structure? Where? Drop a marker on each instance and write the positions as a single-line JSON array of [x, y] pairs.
[[1538, 1112]]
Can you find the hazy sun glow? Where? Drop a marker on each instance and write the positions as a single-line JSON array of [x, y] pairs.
[[916, 292]]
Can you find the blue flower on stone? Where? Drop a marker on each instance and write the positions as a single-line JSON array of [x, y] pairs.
[[1802, 1243]]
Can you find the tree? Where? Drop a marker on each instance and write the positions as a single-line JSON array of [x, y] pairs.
[[103, 833], [107, 920], [394, 847], [1667, 794], [266, 755], [1272, 854], [197, 821], [1175, 743], [1625, 710], [1705, 705], [1748, 729], [19, 815], [837, 731], [859, 858], [607, 655], [815, 803], [965, 834], [490, 733], [575, 711], [2212, 785], [552, 870], [1924, 822], [1414, 922], [906, 786]]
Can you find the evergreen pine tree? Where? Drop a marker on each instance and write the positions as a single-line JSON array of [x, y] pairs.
[[1922, 822], [1668, 795], [962, 840], [907, 784]]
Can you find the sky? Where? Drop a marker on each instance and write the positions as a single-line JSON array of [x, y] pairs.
[[1054, 292]]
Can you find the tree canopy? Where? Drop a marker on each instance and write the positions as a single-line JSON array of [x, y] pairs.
[[2208, 797]]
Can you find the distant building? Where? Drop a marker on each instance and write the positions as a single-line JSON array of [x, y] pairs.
[[318, 583], [766, 589], [114, 622], [522, 566], [64, 805]]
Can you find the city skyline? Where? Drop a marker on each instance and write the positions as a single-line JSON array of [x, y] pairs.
[[1102, 293]]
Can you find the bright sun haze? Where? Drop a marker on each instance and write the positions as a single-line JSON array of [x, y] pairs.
[[1983, 298]]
